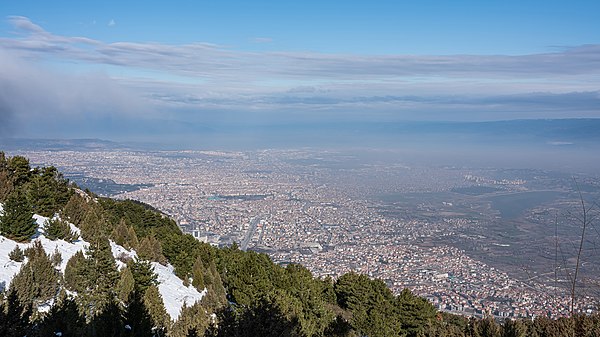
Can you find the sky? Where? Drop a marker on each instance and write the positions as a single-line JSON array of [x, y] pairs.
[[137, 69]]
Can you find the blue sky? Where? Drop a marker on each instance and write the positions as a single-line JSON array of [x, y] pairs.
[[95, 64]]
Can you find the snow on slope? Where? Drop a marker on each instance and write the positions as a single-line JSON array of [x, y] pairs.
[[171, 288]]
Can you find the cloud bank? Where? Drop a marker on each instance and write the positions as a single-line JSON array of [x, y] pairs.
[[79, 79]]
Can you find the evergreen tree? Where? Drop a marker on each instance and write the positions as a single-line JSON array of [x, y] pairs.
[[151, 249], [199, 274], [48, 190], [63, 318], [137, 317], [156, 308], [104, 275], [415, 313], [191, 318], [124, 235], [75, 209], [94, 227], [37, 280], [17, 221], [56, 258], [57, 229], [16, 254], [5, 184], [371, 304], [108, 321], [15, 317], [125, 285], [19, 171], [76, 274], [143, 275], [514, 329]]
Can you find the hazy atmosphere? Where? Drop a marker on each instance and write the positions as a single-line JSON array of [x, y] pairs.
[[202, 75], [300, 168]]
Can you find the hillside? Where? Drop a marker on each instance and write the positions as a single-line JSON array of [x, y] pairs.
[[172, 290], [91, 266]]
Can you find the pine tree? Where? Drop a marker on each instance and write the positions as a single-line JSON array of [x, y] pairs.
[[137, 316], [58, 229], [37, 281], [94, 227], [191, 318], [63, 318], [150, 249], [48, 191], [17, 221], [19, 171], [76, 274], [56, 258], [75, 209], [16, 254], [16, 317], [143, 275], [125, 285], [5, 185], [104, 275], [156, 308], [107, 321], [124, 235], [199, 274]]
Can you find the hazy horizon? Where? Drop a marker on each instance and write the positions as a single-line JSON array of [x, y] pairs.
[[260, 74]]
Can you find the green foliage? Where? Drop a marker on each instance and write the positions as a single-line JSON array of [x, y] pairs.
[[37, 280], [75, 209], [249, 275], [102, 276], [269, 317], [371, 304], [125, 285], [137, 317], [193, 318], [124, 235], [63, 317], [5, 184], [415, 313], [156, 308], [514, 329], [198, 274], [76, 273], [15, 316], [93, 226], [58, 229], [56, 258], [16, 254], [216, 296], [48, 191], [150, 249], [107, 321], [19, 171], [17, 221], [143, 276]]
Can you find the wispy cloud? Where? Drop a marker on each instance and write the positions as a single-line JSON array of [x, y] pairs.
[[204, 78], [261, 40], [112, 23]]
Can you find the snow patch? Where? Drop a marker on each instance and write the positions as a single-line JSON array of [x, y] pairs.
[[174, 293]]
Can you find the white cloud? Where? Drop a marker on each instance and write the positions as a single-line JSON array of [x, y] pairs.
[[261, 40], [112, 23], [209, 77]]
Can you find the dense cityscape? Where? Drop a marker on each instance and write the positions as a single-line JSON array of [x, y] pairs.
[[425, 228]]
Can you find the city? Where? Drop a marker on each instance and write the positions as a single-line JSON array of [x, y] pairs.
[[439, 231]]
